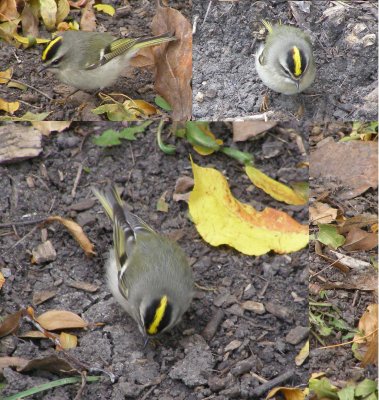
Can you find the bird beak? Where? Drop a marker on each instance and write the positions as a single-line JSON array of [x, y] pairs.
[[42, 68], [146, 342]]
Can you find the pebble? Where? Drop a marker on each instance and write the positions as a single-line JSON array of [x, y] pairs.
[[296, 335]]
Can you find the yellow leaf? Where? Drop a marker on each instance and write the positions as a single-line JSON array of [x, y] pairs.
[[33, 335], [60, 319], [29, 41], [202, 150], [2, 280], [105, 8], [68, 341], [6, 75], [140, 107], [303, 354], [221, 219], [275, 189], [46, 127], [9, 107], [288, 393], [63, 10], [48, 9]]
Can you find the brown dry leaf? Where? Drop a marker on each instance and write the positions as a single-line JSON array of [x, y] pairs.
[[46, 127], [68, 341], [182, 188], [173, 62], [29, 21], [42, 296], [63, 10], [18, 362], [368, 325], [358, 239], [243, 130], [88, 19], [50, 363], [8, 10], [144, 58], [322, 213], [354, 165], [60, 319], [10, 323], [358, 221], [76, 231], [2, 280], [33, 335], [87, 287], [162, 204]]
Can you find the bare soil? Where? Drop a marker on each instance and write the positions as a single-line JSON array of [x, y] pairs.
[[228, 36], [182, 364]]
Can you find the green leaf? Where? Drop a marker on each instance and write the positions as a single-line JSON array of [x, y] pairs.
[[49, 385], [329, 236], [162, 103], [365, 388], [130, 132], [241, 156], [347, 393], [107, 138], [323, 388]]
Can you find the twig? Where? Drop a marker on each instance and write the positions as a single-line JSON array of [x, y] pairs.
[[77, 179], [212, 326], [82, 386], [258, 392], [31, 87], [257, 117], [22, 223], [207, 12]]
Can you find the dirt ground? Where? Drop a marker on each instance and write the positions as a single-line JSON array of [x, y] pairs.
[[135, 19], [338, 363], [344, 37], [183, 365]]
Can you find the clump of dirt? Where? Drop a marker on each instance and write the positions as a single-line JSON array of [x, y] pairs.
[[344, 36]]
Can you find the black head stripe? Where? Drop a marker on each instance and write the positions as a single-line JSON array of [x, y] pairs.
[[296, 62], [51, 49], [151, 313]]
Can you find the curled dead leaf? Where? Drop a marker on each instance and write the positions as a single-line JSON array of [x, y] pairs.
[[76, 231], [182, 188], [173, 62], [10, 323], [60, 319]]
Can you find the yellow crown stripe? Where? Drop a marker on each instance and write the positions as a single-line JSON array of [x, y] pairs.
[[297, 61], [49, 46], [159, 313]]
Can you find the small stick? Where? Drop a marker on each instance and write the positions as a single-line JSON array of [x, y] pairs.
[[212, 326], [207, 12], [77, 179], [22, 223], [31, 87], [258, 392]]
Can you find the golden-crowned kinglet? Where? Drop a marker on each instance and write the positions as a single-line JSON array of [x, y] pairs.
[[92, 60], [147, 273], [285, 62]]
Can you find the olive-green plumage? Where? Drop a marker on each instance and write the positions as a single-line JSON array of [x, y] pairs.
[[93, 60], [285, 62], [145, 267]]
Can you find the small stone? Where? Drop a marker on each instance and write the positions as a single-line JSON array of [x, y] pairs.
[[242, 367], [235, 309], [83, 205], [296, 335], [279, 311], [216, 384], [6, 272], [86, 218], [199, 97], [233, 345], [254, 306], [44, 253]]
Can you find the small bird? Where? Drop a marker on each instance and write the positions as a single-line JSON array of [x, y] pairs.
[[147, 273], [285, 62], [93, 60]]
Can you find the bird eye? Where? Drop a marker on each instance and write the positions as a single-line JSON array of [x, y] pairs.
[[55, 62]]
